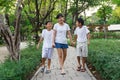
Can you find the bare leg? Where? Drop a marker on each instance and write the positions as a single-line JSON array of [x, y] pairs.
[[83, 62], [43, 65], [79, 65], [49, 63], [43, 62], [63, 59], [64, 55], [60, 56], [78, 59]]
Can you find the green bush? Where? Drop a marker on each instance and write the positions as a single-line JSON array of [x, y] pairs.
[[110, 35], [30, 59], [105, 56]]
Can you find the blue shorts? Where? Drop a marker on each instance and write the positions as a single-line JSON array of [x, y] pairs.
[[59, 45]]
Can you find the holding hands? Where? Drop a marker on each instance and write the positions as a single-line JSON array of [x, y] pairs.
[[72, 43]]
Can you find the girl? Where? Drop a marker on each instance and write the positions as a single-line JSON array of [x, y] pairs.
[[61, 30]]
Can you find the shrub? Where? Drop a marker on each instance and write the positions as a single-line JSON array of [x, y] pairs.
[[30, 59], [110, 35], [105, 56]]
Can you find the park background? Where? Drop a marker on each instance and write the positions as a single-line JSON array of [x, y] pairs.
[[21, 21]]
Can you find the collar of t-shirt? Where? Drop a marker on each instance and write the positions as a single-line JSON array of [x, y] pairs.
[[80, 27]]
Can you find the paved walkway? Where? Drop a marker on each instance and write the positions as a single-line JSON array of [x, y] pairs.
[[70, 68], [4, 52]]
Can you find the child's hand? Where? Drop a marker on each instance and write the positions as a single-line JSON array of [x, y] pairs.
[[53, 45], [73, 44]]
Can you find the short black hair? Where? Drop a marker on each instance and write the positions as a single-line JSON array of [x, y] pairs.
[[59, 15], [47, 22], [80, 20]]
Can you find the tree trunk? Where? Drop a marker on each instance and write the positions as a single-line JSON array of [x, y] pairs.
[[66, 8], [12, 42], [37, 20], [104, 27], [7, 19], [76, 12]]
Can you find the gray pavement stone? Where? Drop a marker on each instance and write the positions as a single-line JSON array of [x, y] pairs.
[[70, 69]]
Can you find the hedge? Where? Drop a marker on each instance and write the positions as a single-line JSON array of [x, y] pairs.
[[30, 59], [110, 35], [105, 56]]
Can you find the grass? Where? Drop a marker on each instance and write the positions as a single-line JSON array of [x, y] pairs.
[[30, 59], [105, 56]]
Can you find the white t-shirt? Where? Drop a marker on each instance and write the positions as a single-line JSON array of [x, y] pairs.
[[81, 33], [61, 33], [47, 36]]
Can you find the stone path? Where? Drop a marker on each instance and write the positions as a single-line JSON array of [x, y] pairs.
[[70, 68], [4, 52]]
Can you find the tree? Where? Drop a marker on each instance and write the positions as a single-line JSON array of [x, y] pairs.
[[37, 12], [94, 19], [79, 6], [104, 13], [12, 41], [63, 7], [115, 18]]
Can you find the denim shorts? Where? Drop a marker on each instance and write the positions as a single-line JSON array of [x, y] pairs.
[[60, 45]]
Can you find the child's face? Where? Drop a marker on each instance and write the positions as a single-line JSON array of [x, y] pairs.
[[61, 20], [78, 24], [49, 25]]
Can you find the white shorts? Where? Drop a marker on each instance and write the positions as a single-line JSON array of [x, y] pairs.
[[47, 53], [82, 49]]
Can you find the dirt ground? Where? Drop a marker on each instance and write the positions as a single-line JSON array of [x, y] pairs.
[[4, 52]]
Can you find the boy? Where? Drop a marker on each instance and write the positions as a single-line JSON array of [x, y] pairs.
[[82, 36], [47, 46]]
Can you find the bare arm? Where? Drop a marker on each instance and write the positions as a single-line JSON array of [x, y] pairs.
[[53, 40], [41, 39], [70, 36], [88, 37], [75, 38]]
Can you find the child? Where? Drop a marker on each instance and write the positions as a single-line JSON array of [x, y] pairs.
[[47, 46], [82, 36]]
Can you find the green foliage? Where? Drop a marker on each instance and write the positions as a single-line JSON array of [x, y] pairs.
[[94, 19], [7, 6], [105, 56], [116, 2], [101, 35], [30, 59], [104, 12], [115, 19], [82, 5]]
